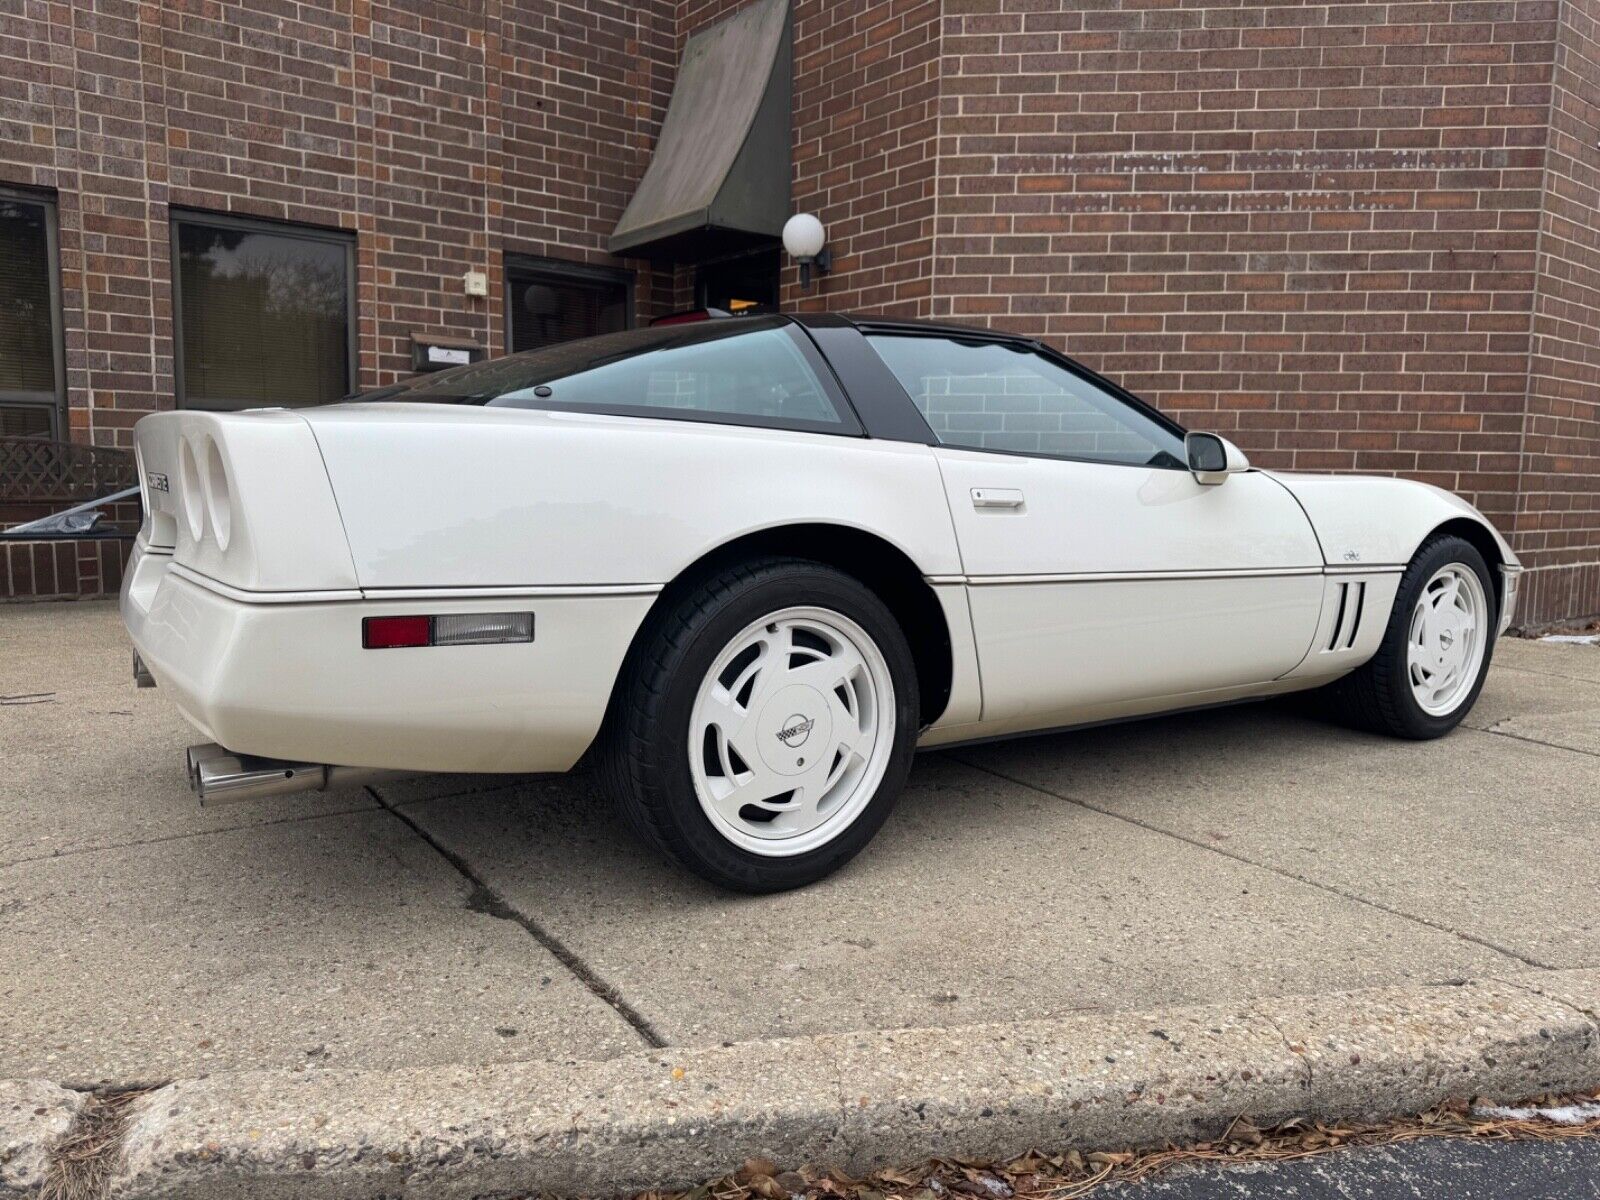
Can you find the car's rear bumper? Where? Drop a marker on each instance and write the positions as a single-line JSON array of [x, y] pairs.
[[291, 680]]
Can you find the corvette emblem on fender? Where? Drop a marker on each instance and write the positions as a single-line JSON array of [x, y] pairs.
[[795, 733]]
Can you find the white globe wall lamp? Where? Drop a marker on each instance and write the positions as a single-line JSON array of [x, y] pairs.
[[806, 241]]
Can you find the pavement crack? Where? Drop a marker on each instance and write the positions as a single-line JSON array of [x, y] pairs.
[[1148, 827], [81, 1164], [483, 898], [1495, 731], [1299, 1053], [1590, 1014]]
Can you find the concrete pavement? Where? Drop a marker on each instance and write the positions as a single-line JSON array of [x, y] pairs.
[[1208, 858]]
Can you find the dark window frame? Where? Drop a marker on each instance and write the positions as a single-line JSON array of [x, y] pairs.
[[870, 329], [290, 229], [560, 271], [56, 404]]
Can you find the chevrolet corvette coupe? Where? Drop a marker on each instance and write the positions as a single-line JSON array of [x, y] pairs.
[[745, 567]]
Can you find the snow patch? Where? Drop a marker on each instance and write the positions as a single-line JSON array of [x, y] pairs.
[[1563, 1114], [1575, 639]]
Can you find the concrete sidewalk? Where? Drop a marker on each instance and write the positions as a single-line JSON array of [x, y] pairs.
[[1204, 859]]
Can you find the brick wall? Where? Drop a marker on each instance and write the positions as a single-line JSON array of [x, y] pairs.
[[441, 133], [66, 570], [1558, 527], [1310, 227]]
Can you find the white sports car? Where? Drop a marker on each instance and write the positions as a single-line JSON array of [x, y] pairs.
[[747, 566]]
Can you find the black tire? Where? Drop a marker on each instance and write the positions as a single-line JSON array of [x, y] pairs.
[[644, 753], [1377, 696]]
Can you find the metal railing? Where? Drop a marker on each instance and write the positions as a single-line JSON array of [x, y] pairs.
[[34, 471]]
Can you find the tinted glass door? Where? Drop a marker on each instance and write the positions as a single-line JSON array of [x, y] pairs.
[[744, 286], [545, 306]]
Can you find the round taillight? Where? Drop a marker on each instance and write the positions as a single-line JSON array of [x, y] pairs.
[[219, 502], [189, 488]]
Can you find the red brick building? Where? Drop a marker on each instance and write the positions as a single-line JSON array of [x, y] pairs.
[[1352, 236]]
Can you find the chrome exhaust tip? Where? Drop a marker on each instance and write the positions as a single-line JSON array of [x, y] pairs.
[[195, 756], [219, 776]]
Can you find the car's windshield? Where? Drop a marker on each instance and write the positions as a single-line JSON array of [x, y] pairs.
[[750, 370]]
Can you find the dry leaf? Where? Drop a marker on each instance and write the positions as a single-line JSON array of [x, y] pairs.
[[754, 1167]]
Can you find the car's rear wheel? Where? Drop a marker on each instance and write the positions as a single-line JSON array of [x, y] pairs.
[[1435, 652], [766, 725]]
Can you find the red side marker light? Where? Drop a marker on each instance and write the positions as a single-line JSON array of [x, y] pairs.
[[387, 633], [446, 629]]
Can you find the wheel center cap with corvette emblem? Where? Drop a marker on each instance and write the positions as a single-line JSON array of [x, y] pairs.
[[795, 733], [793, 729]]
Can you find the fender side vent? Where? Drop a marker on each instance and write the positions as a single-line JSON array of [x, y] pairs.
[[1352, 599], [1355, 621], [1338, 621]]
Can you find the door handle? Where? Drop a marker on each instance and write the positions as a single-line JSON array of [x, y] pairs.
[[996, 498]]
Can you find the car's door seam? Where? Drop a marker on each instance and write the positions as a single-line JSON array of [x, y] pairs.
[[966, 590], [1322, 551]]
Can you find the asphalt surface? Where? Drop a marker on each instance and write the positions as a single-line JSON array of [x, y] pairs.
[[1431, 1169], [1247, 852]]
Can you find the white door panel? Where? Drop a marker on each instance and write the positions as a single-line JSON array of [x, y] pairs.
[[1080, 517], [1093, 583]]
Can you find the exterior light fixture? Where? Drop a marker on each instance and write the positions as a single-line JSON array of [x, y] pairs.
[[806, 241]]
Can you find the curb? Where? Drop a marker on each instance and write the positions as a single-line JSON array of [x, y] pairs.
[[669, 1118], [34, 1116]]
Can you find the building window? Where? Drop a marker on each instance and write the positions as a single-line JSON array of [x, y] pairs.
[[744, 286], [549, 302], [31, 378], [264, 313]]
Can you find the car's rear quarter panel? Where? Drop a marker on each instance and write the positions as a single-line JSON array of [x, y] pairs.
[[440, 497]]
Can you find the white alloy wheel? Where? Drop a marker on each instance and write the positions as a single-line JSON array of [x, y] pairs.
[[1446, 640], [791, 731]]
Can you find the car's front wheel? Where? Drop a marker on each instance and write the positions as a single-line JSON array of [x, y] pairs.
[[1435, 652], [766, 726]]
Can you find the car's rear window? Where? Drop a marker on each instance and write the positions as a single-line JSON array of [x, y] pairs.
[[761, 371]]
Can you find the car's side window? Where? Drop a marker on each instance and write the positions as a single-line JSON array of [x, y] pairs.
[[986, 395], [757, 375]]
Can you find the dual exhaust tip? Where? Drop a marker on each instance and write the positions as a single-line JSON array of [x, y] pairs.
[[219, 776]]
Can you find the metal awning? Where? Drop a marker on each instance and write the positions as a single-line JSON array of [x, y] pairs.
[[719, 178]]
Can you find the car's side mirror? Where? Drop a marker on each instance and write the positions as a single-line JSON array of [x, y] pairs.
[[1213, 458]]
